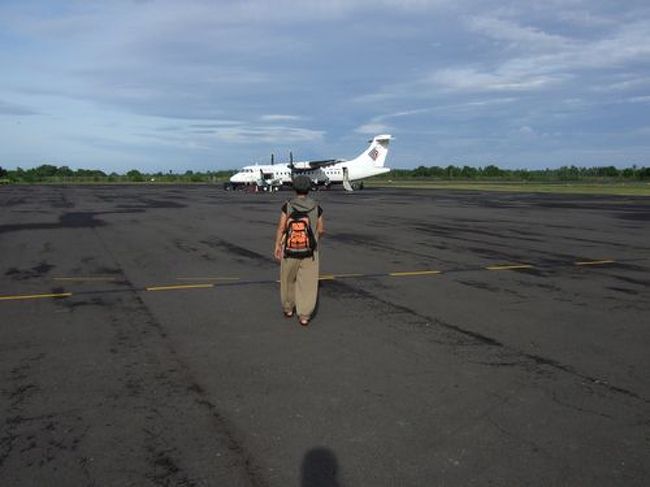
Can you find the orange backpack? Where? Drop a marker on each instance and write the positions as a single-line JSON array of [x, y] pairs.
[[299, 240]]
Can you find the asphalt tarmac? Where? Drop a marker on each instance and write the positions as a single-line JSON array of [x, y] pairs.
[[461, 338]]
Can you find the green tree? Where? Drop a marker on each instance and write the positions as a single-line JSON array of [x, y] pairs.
[[468, 172], [568, 173], [452, 171], [644, 173], [628, 173], [44, 171], [420, 172], [492, 171], [64, 172], [608, 172], [522, 174], [135, 175]]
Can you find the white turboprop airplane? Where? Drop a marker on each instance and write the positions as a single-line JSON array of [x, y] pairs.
[[325, 173]]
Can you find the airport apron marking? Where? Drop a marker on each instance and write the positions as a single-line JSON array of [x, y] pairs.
[[35, 296], [174, 288], [508, 267], [207, 278], [413, 273], [239, 281], [99, 278], [595, 262]]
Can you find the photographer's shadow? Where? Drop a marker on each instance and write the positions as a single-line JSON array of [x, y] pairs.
[[320, 468]]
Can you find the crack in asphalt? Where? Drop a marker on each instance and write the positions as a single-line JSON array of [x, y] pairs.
[[238, 250], [20, 392], [538, 360], [233, 442]]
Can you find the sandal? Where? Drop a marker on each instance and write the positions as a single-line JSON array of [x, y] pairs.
[[303, 321], [288, 314]]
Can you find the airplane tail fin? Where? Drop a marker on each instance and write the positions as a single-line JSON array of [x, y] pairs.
[[377, 152]]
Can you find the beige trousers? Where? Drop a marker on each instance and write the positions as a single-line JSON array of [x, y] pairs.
[[299, 284]]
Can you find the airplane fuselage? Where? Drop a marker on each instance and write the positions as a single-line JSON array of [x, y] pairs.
[[282, 174]]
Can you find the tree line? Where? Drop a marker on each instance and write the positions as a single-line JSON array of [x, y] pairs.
[[493, 172], [49, 173]]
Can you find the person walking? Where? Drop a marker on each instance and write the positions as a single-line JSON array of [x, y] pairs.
[[296, 248]]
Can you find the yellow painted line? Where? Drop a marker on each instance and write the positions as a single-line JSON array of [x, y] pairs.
[[35, 296], [84, 278], [184, 286], [208, 278], [331, 277], [414, 273], [508, 267], [595, 262]]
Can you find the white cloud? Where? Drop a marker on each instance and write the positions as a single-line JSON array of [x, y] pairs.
[[276, 134], [560, 59], [585, 18], [404, 113], [527, 131], [564, 60], [534, 60], [215, 124], [628, 82], [280, 118], [638, 99], [505, 78], [373, 128], [517, 35]]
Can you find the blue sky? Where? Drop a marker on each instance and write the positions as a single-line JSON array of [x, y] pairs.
[[207, 85]]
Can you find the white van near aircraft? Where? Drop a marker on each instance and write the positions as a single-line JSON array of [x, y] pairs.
[[323, 173]]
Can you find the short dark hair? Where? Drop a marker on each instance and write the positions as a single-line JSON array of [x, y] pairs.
[[301, 184]]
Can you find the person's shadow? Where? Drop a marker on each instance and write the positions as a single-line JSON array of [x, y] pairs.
[[320, 468]]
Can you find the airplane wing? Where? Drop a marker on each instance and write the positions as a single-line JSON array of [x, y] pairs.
[[311, 165]]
